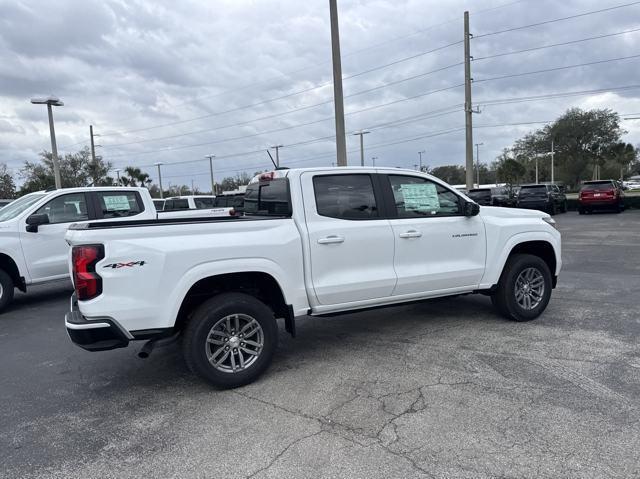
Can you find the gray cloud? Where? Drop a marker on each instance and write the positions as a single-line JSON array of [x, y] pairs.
[[130, 65]]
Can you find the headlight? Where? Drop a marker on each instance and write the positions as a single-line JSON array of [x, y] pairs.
[[550, 221]]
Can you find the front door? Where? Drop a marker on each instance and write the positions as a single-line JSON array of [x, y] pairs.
[[46, 251], [437, 247], [350, 246]]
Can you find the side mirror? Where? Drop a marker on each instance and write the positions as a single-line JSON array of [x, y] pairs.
[[471, 209], [34, 221]]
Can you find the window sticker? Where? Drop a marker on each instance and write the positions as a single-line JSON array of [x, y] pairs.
[[420, 197], [116, 203]]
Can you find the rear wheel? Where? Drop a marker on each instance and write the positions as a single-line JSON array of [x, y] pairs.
[[230, 340], [564, 206], [524, 288], [580, 210], [6, 289], [552, 208]]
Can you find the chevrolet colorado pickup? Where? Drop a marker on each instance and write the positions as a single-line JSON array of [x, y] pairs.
[[318, 241]]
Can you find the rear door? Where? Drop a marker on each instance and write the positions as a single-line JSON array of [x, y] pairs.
[[350, 242], [436, 246]]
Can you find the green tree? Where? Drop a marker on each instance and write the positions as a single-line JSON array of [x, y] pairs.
[[452, 174], [582, 140], [76, 169], [509, 170], [135, 177], [7, 185]]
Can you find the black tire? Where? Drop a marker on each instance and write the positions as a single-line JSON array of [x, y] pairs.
[[580, 210], [195, 346], [552, 208], [7, 290], [504, 299], [564, 206], [619, 208]]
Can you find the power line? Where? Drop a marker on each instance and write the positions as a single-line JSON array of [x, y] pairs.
[[369, 90], [191, 145], [571, 42], [549, 96], [281, 97], [566, 67], [546, 22]]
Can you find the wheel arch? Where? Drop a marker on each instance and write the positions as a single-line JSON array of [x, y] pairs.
[[11, 268], [258, 284], [540, 248]]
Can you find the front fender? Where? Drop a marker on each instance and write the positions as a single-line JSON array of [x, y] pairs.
[[495, 264]]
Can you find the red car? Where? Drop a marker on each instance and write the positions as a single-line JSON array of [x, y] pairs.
[[600, 194]]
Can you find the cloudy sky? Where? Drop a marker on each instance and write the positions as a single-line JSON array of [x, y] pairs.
[[174, 81]]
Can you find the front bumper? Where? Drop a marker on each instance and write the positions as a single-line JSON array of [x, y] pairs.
[[95, 334]]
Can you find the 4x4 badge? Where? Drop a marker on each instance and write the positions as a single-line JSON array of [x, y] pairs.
[[125, 265]]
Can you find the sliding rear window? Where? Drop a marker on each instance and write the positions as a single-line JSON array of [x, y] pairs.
[[268, 198]]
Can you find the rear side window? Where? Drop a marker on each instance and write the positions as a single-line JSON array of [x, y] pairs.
[[182, 204], [119, 204], [268, 198], [347, 197], [202, 203]]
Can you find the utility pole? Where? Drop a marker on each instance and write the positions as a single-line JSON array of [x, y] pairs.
[[160, 179], [536, 170], [468, 111], [553, 154], [193, 191], [93, 147], [338, 101], [373, 160], [118, 173], [213, 184], [277, 148], [420, 155], [361, 134], [478, 145], [52, 101]]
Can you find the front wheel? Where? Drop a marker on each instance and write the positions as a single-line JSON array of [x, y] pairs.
[[552, 209], [6, 290], [230, 340], [524, 288]]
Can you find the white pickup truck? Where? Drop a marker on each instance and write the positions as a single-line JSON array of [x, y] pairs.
[[315, 242], [32, 228]]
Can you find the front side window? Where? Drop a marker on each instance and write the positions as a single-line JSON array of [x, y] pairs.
[[65, 208], [347, 197], [419, 197], [118, 204]]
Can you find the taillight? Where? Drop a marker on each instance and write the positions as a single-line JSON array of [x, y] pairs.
[[87, 282], [232, 212]]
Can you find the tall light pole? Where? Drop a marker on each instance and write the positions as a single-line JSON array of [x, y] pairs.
[[213, 184], [553, 154], [361, 133], [277, 148], [338, 101], [160, 178], [52, 101], [468, 107], [420, 153], [478, 145], [118, 173], [373, 160]]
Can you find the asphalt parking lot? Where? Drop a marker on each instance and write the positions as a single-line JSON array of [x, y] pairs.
[[438, 389]]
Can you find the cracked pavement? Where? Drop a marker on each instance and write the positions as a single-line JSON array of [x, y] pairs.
[[444, 388]]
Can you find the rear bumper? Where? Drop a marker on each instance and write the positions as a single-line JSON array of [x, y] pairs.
[[599, 203], [96, 334], [534, 205]]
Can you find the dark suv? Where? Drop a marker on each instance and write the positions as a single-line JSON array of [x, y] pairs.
[[600, 194], [495, 196], [547, 198]]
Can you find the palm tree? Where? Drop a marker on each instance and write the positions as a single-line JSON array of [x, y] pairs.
[[136, 177]]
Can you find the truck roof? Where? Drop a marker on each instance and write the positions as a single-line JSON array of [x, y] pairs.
[[95, 188], [285, 172]]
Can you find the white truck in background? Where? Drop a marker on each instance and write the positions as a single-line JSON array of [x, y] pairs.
[[318, 241], [32, 228]]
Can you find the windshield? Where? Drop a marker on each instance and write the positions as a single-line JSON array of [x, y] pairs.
[[18, 206], [533, 190]]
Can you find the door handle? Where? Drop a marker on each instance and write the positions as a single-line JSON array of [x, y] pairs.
[[331, 239], [410, 234]]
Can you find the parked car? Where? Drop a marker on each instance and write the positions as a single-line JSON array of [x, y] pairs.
[[494, 196], [482, 196], [601, 194], [159, 204], [547, 198], [4, 203], [317, 241]]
